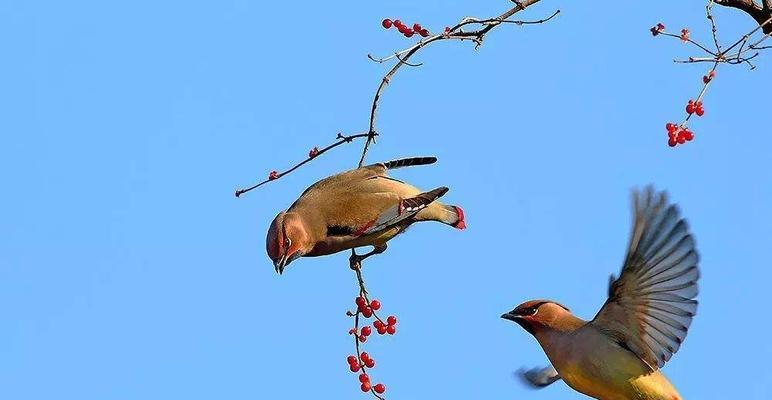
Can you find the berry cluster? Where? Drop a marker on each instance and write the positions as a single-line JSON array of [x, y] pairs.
[[695, 107], [404, 29], [364, 379], [313, 152], [273, 175], [367, 309], [678, 134], [364, 360], [390, 327]]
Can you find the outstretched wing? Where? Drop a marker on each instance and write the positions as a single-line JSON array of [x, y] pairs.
[[539, 378], [652, 303]]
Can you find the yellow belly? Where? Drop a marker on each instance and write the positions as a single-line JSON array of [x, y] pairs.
[[603, 370], [653, 386]]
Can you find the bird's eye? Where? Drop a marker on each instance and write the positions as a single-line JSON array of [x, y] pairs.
[[287, 243]]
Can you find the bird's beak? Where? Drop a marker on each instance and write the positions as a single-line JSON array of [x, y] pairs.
[[510, 316], [281, 263]]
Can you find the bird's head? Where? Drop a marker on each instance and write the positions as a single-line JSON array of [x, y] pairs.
[[287, 240], [537, 314]]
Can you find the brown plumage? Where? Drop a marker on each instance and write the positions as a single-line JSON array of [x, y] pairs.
[[360, 207], [617, 355]]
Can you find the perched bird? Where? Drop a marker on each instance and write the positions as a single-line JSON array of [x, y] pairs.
[[617, 355], [360, 207]]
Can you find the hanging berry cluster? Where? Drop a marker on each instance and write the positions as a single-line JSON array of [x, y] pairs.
[[404, 29], [362, 360], [677, 134], [741, 51]]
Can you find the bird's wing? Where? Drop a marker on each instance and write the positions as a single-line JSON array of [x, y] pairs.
[[652, 303], [404, 209], [363, 213], [366, 172], [539, 377]]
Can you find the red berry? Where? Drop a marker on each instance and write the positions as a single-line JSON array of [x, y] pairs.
[[672, 142], [364, 378], [424, 32], [366, 331], [447, 29], [351, 359], [370, 363], [377, 324], [409, 33], [398, 23], [367, 313], [417, 27], [681, 140], [354, 367], [379, 388], [360, 301], [362, 338], [671, 127], [364, 356], [699, 111], [690, 108], [391, 329], [387, 23], [365, 387], [381, 330], [392, 320], [375, 305], [313, 152], [273, 175], [660, 27]]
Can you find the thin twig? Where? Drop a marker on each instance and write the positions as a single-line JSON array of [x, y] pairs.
[[341, 140], [714, 30]]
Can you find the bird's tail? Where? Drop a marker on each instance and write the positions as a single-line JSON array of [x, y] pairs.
[[453, 216], [409, 162]]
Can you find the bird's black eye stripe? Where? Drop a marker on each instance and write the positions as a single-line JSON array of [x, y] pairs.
[[532, 310]]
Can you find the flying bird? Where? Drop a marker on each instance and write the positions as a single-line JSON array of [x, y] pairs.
[[356, 208], [618, 355]]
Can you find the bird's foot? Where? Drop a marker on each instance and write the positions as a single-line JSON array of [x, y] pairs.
[[355, 262]]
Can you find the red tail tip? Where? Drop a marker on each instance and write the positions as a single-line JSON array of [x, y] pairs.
[[461, 223]]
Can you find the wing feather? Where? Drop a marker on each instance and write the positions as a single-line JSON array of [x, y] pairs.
[[652, 303]]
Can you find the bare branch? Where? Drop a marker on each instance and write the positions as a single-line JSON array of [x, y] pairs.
[[453, 33], [714, 30], [312, 155]]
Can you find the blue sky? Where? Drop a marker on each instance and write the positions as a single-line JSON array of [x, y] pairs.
[[129, 271]]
